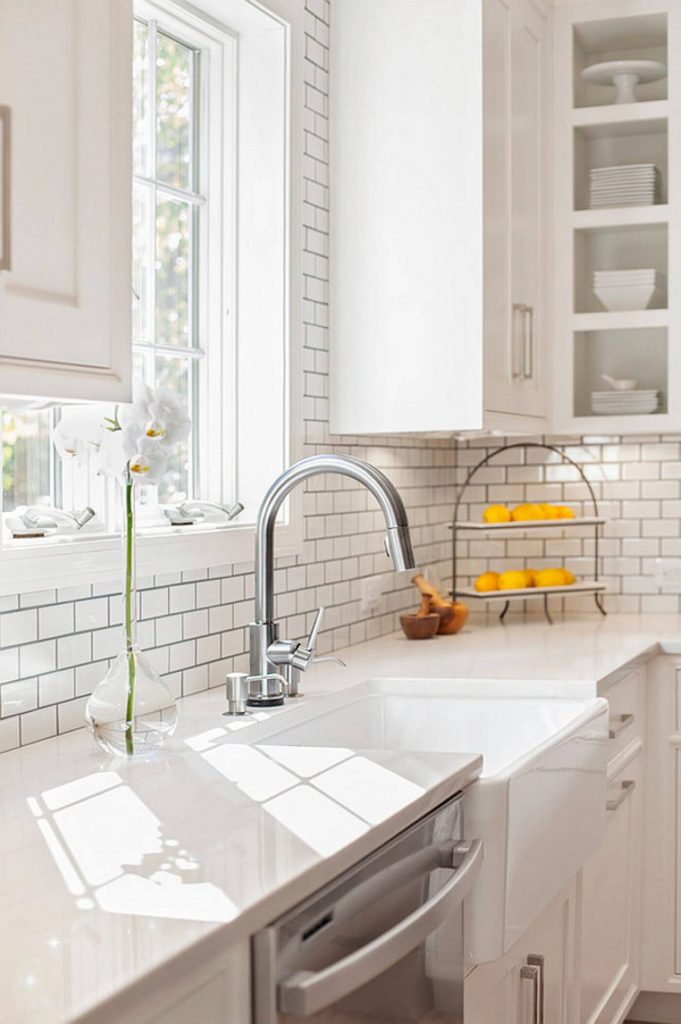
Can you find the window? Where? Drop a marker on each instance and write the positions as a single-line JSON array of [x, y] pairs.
[[203, 251]]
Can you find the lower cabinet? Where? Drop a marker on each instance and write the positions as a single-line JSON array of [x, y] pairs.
[[534, 981], [210, 991], [661, 951], [609, 906]]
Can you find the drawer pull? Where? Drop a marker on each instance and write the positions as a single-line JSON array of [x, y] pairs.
[[619, 724], [532, 974], [625, 791], [539, 961]]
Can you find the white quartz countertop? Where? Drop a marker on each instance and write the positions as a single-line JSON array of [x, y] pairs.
[[111, 869]]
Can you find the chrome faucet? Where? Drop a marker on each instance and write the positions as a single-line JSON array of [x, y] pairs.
[[271, 658]]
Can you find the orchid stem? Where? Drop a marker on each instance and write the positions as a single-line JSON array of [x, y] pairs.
[[129, 647]]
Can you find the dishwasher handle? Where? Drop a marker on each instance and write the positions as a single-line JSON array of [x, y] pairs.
[[305, 993]]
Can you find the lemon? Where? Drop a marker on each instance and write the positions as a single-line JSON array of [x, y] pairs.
[[530, 576], [564, 512], [496, 514], [513, 579], [549, 511], [487, 581], [569, 577], [550, 578]]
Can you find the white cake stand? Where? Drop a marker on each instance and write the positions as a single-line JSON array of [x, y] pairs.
[[625, 75]]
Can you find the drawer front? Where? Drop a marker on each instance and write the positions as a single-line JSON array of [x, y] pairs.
[[626, 700]]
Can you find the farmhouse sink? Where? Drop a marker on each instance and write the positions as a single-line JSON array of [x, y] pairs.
[[539, 804]]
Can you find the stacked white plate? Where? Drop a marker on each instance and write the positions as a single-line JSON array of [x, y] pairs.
[[625, 185], [630, 289], [624, 403]]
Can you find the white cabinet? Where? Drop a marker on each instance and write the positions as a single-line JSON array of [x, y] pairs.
[[610, 886], [515, 205], [534, 980], [661, 948], [429, 254], [196, 990], [65, 286]]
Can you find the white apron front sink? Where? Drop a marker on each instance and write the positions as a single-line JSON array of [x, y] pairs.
[[539, 804]]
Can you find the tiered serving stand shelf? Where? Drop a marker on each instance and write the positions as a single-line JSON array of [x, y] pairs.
[[592, 586]]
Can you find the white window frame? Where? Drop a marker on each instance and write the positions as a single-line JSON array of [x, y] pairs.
[[65, 560]]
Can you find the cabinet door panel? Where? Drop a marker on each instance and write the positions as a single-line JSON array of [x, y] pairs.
[[65, 75], [499, 352], [610, 906], [528, 228], [515, 156], [498, 992]]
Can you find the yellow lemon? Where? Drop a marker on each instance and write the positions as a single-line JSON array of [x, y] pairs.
[[496, 514], [521, 513], [530, 576], [569, 577], [564, 512], [549, 511], [487, 581], [550, 578], [513, 579]]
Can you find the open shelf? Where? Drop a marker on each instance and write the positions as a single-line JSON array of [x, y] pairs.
[[639, 352], [619, 216], [580, 587], [624, 319], [618, 143], [642, 37], [613, 117], [618, 248], [529, 524]]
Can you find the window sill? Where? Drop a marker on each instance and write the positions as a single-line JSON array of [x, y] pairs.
[[65, 560]]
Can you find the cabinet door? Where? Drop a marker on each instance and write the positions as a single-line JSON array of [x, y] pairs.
[[65, 290], [516, 223], [533, 981], [610, 907], [196, 990]]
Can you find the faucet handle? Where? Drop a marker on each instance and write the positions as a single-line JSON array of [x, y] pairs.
[[311, 643]]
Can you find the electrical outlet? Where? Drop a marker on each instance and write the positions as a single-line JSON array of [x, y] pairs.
[[370, 594], [668, 575]]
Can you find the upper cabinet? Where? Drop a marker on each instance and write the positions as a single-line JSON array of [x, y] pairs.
[[439, 242], [65, 194]]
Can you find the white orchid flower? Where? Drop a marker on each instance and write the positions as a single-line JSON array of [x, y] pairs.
[[75, 435], [158, 415], [148, 463]]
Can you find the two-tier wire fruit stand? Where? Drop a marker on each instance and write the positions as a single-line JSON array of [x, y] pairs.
[[594, 521]]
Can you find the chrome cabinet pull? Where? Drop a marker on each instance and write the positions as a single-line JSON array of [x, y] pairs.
[[528, 343], [539, 961], [5, 184], [624, 792], [619, 724], [532, 973], [517, 358]]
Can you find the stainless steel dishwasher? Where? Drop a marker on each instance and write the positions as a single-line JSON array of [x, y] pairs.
[[384, 942]]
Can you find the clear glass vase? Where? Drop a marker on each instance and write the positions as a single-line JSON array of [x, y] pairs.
[[131, 711]]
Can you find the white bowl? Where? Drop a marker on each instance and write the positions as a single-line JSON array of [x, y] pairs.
[[620, 383], [638, 296]]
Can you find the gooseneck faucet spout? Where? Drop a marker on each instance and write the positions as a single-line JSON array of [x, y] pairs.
[[271, 657]]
